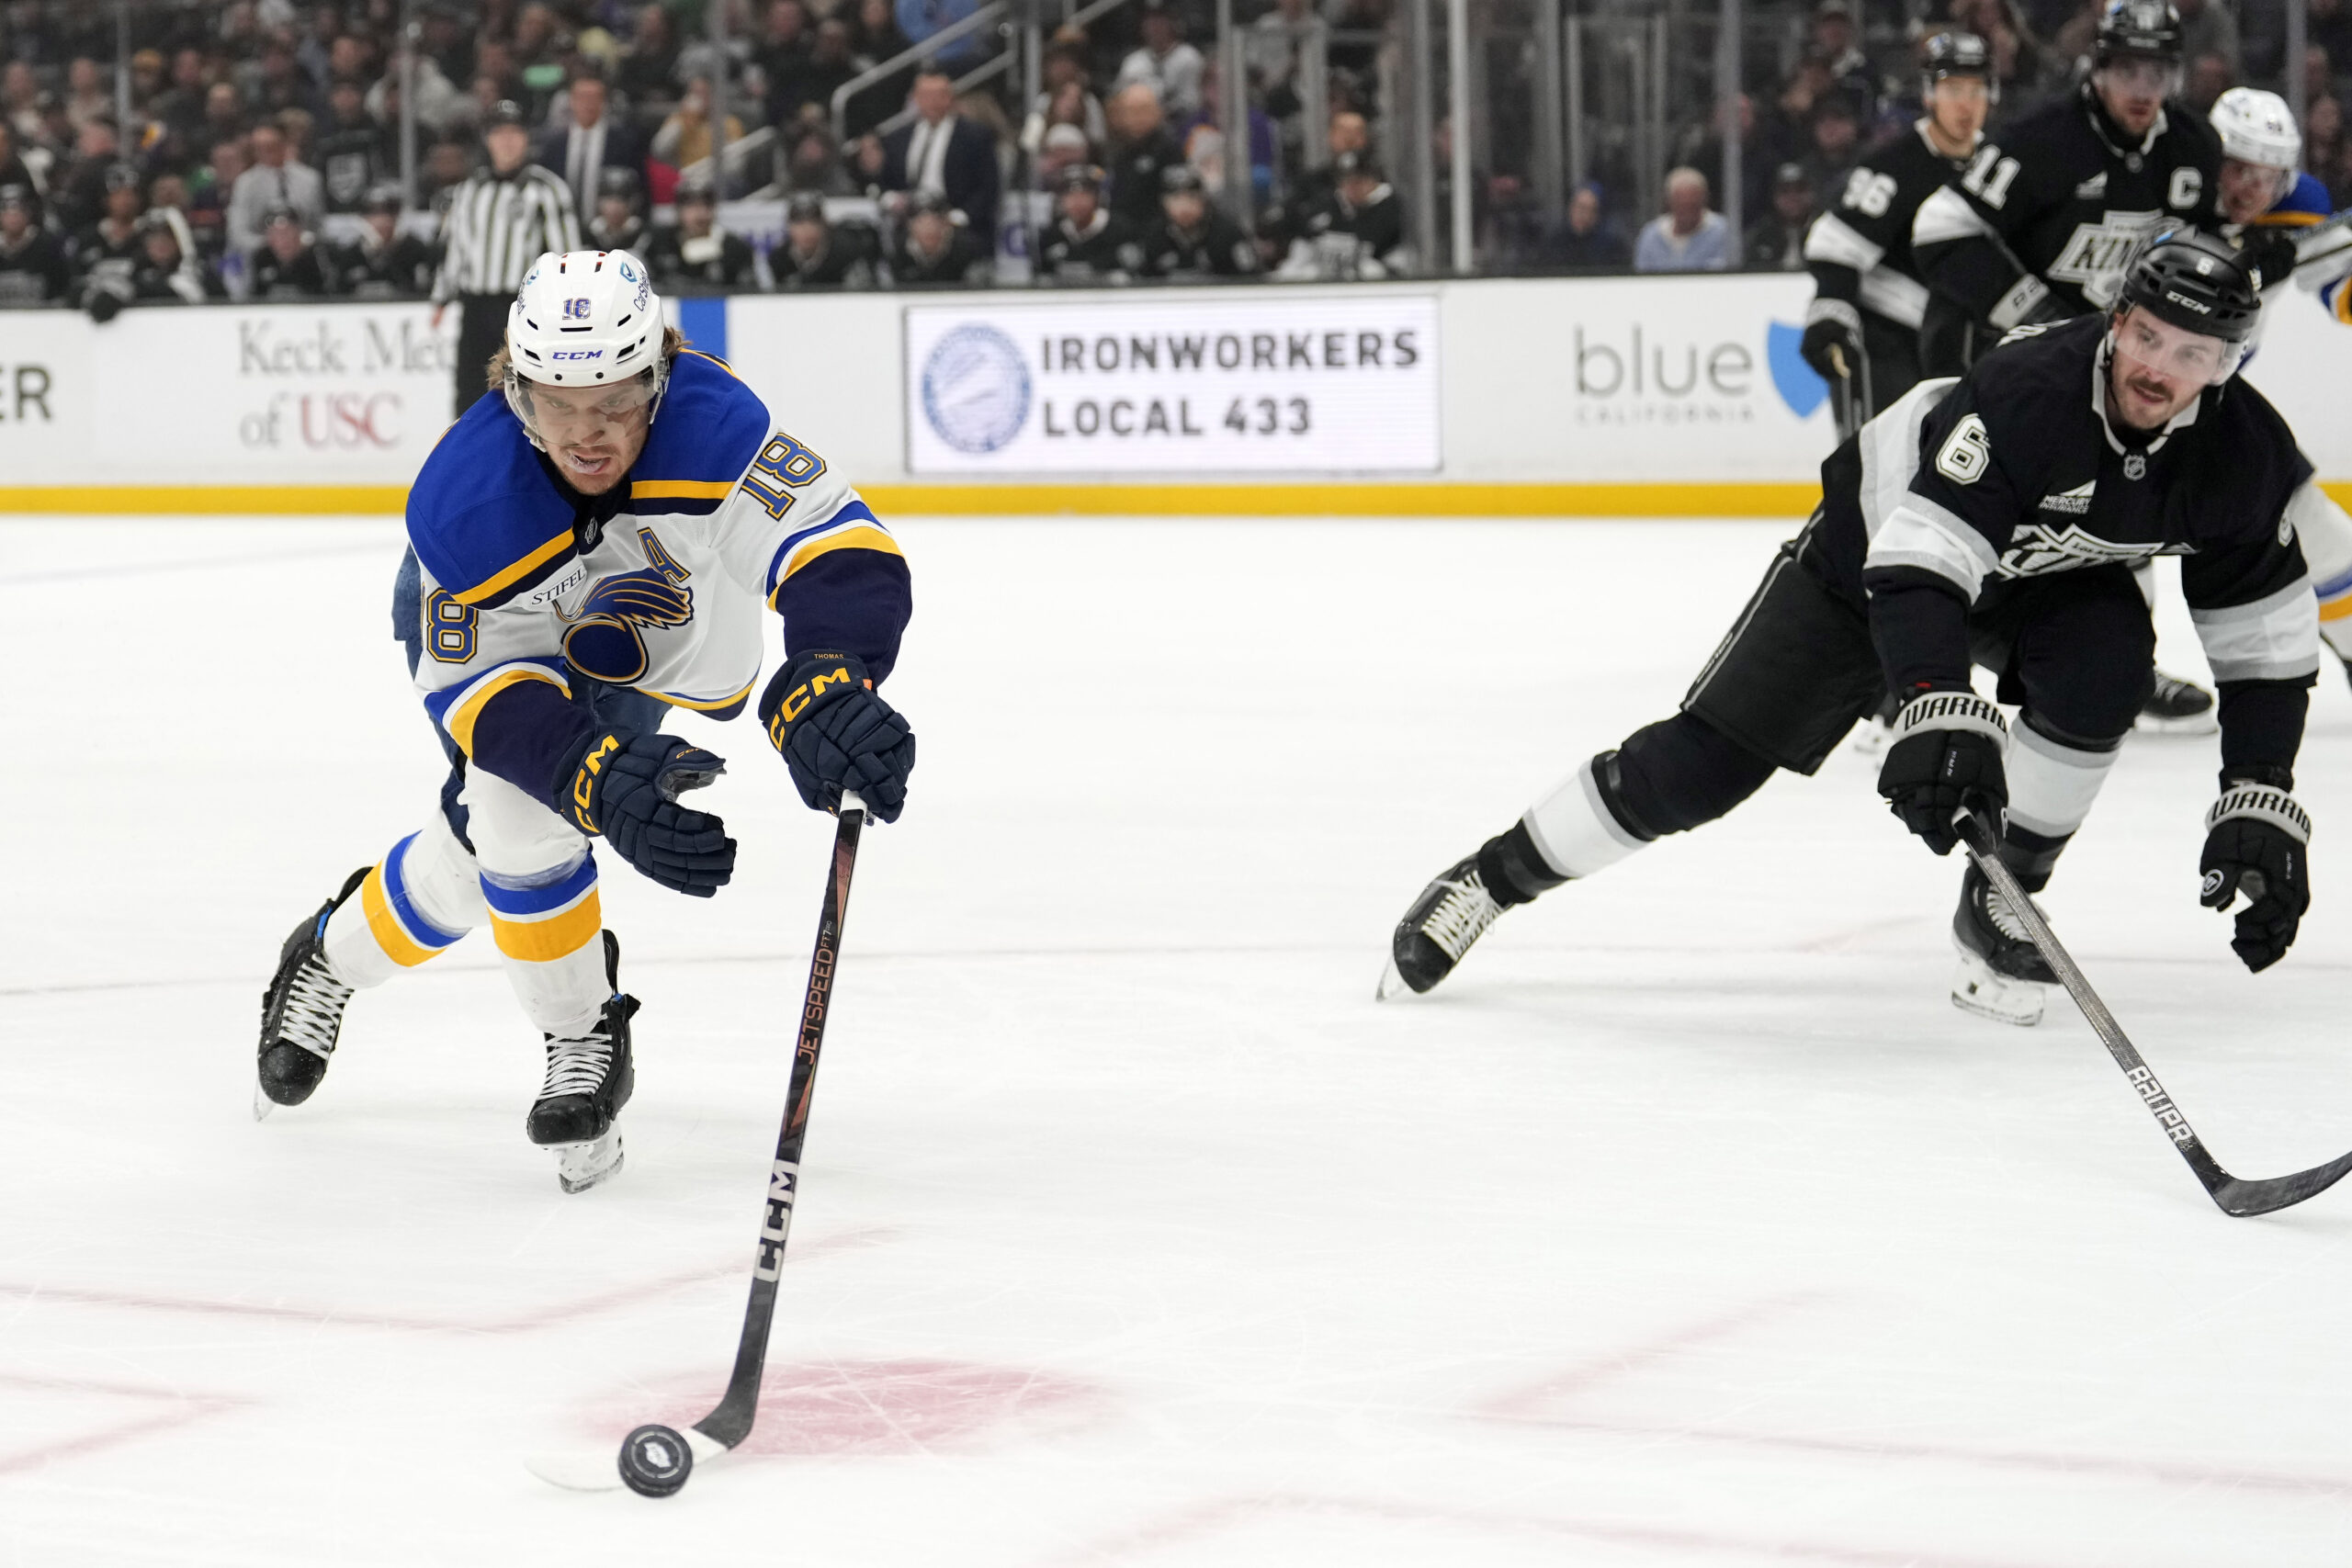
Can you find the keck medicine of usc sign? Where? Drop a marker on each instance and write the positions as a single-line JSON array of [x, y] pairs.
[[1173, 382]]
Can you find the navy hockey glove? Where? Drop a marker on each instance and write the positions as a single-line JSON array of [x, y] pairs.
[[2273, 254], [1946, 754], [835, 733], [2254, 843], [626, 785]]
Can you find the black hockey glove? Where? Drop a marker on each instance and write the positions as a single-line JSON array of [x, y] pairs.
[[1946, 754], [822, 713], [2254, 843], [626, 785], [2273, 254], [1825, 333]]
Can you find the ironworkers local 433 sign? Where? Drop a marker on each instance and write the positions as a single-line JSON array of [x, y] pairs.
[[1174, 383]]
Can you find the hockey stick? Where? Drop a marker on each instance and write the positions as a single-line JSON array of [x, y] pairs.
[[1845, 410], [2234, 1194], [655, 1461]]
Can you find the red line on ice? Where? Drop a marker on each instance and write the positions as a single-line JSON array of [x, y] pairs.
[[538, 1317]]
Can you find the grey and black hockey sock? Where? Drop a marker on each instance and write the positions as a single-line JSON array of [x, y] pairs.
[[1512, 868]]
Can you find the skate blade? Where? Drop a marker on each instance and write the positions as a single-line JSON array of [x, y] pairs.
[[1392, 985], [578, 1166], [1976, 988], [263, 1104]]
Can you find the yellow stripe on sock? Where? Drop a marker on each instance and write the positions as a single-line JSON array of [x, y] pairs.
[[391, 935], [557, 936]]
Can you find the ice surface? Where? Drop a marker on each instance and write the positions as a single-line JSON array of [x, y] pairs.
[[1690, 1224]]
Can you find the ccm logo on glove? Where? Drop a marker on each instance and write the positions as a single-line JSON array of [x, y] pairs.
[[836, 733]]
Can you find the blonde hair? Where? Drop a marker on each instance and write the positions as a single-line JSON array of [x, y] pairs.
[[673, 343]]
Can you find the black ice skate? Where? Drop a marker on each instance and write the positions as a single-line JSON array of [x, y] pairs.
[[2177, 707], [1452, 913], [588, 1079], [301, 1012], [2002, 975]]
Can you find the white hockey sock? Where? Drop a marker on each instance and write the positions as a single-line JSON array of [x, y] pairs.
[[419, 899], [1573, 830], [2051, 786]]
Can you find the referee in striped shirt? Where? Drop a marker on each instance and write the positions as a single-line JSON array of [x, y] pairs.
[[499, 222]]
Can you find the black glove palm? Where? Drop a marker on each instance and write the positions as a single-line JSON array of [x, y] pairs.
[[1821, 334], [1946, 755], [835, 733], [2254, 843], [625, 786]]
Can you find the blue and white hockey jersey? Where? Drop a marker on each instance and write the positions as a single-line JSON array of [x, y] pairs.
[[2324, 259], [662, 584]]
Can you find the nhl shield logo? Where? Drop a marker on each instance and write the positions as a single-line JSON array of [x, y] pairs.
[[2135, 467]]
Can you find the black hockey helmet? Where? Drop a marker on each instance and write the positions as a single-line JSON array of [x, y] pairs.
[[2145, 30], [805, 206], [2198, 282], [1954, 54]]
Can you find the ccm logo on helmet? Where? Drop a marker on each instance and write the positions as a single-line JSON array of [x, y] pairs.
[[580, 353], [2176, 298]]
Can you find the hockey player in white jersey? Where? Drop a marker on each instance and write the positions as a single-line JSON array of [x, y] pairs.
[[609, 536]]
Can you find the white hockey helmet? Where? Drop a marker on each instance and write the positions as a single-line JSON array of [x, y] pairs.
[[2259, 128], [586, 318]]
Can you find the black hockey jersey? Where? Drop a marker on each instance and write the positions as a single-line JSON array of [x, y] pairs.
[[1217, 249], [2040, 225], [1108, 250], [34, 270], [1970, 488], [718, 259], [846, 261], [1860, 250]]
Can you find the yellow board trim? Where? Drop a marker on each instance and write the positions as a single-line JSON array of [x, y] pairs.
[[460, 722], [742, 696], [385, 926], [2335, 609], [1416, 498], [679, 490], [557, 936], [519, 571]]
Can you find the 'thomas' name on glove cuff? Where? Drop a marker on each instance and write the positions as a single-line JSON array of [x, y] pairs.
[[2263, 803]]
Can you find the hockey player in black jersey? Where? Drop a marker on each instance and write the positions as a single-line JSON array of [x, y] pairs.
[[1862, 333], [2039, 228], [1992, 520], [1193, 239], [1087, 241]]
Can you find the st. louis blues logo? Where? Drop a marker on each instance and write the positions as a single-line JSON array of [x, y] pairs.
[[604, 642], [575, 309]]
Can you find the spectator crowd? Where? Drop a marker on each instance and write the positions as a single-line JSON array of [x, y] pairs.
[[254, 150]]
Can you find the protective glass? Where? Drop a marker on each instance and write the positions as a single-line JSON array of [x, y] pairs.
[[555, 415], [2175, 352], [2143, 77], [2262, 183]]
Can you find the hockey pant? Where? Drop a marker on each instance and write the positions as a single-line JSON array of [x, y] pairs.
[[2326, 535], [1798, 670], [491, 855]]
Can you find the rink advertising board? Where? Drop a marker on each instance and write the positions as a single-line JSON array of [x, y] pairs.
[[1172, 382]]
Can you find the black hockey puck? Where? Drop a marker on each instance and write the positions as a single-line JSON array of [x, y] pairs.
[[655, 1461]]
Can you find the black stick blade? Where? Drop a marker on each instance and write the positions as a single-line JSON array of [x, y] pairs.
[[2240, 1198]]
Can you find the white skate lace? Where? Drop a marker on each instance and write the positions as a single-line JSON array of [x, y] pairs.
[[314, 1002], [576, 1066], [2005, 919], [1460, 917]]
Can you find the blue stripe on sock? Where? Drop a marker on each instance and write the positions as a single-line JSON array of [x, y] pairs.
[[511, 901], [421, 931]]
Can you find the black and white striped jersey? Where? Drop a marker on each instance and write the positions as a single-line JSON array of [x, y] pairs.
[[1860, 250], [497, 225], [2040, 224]]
